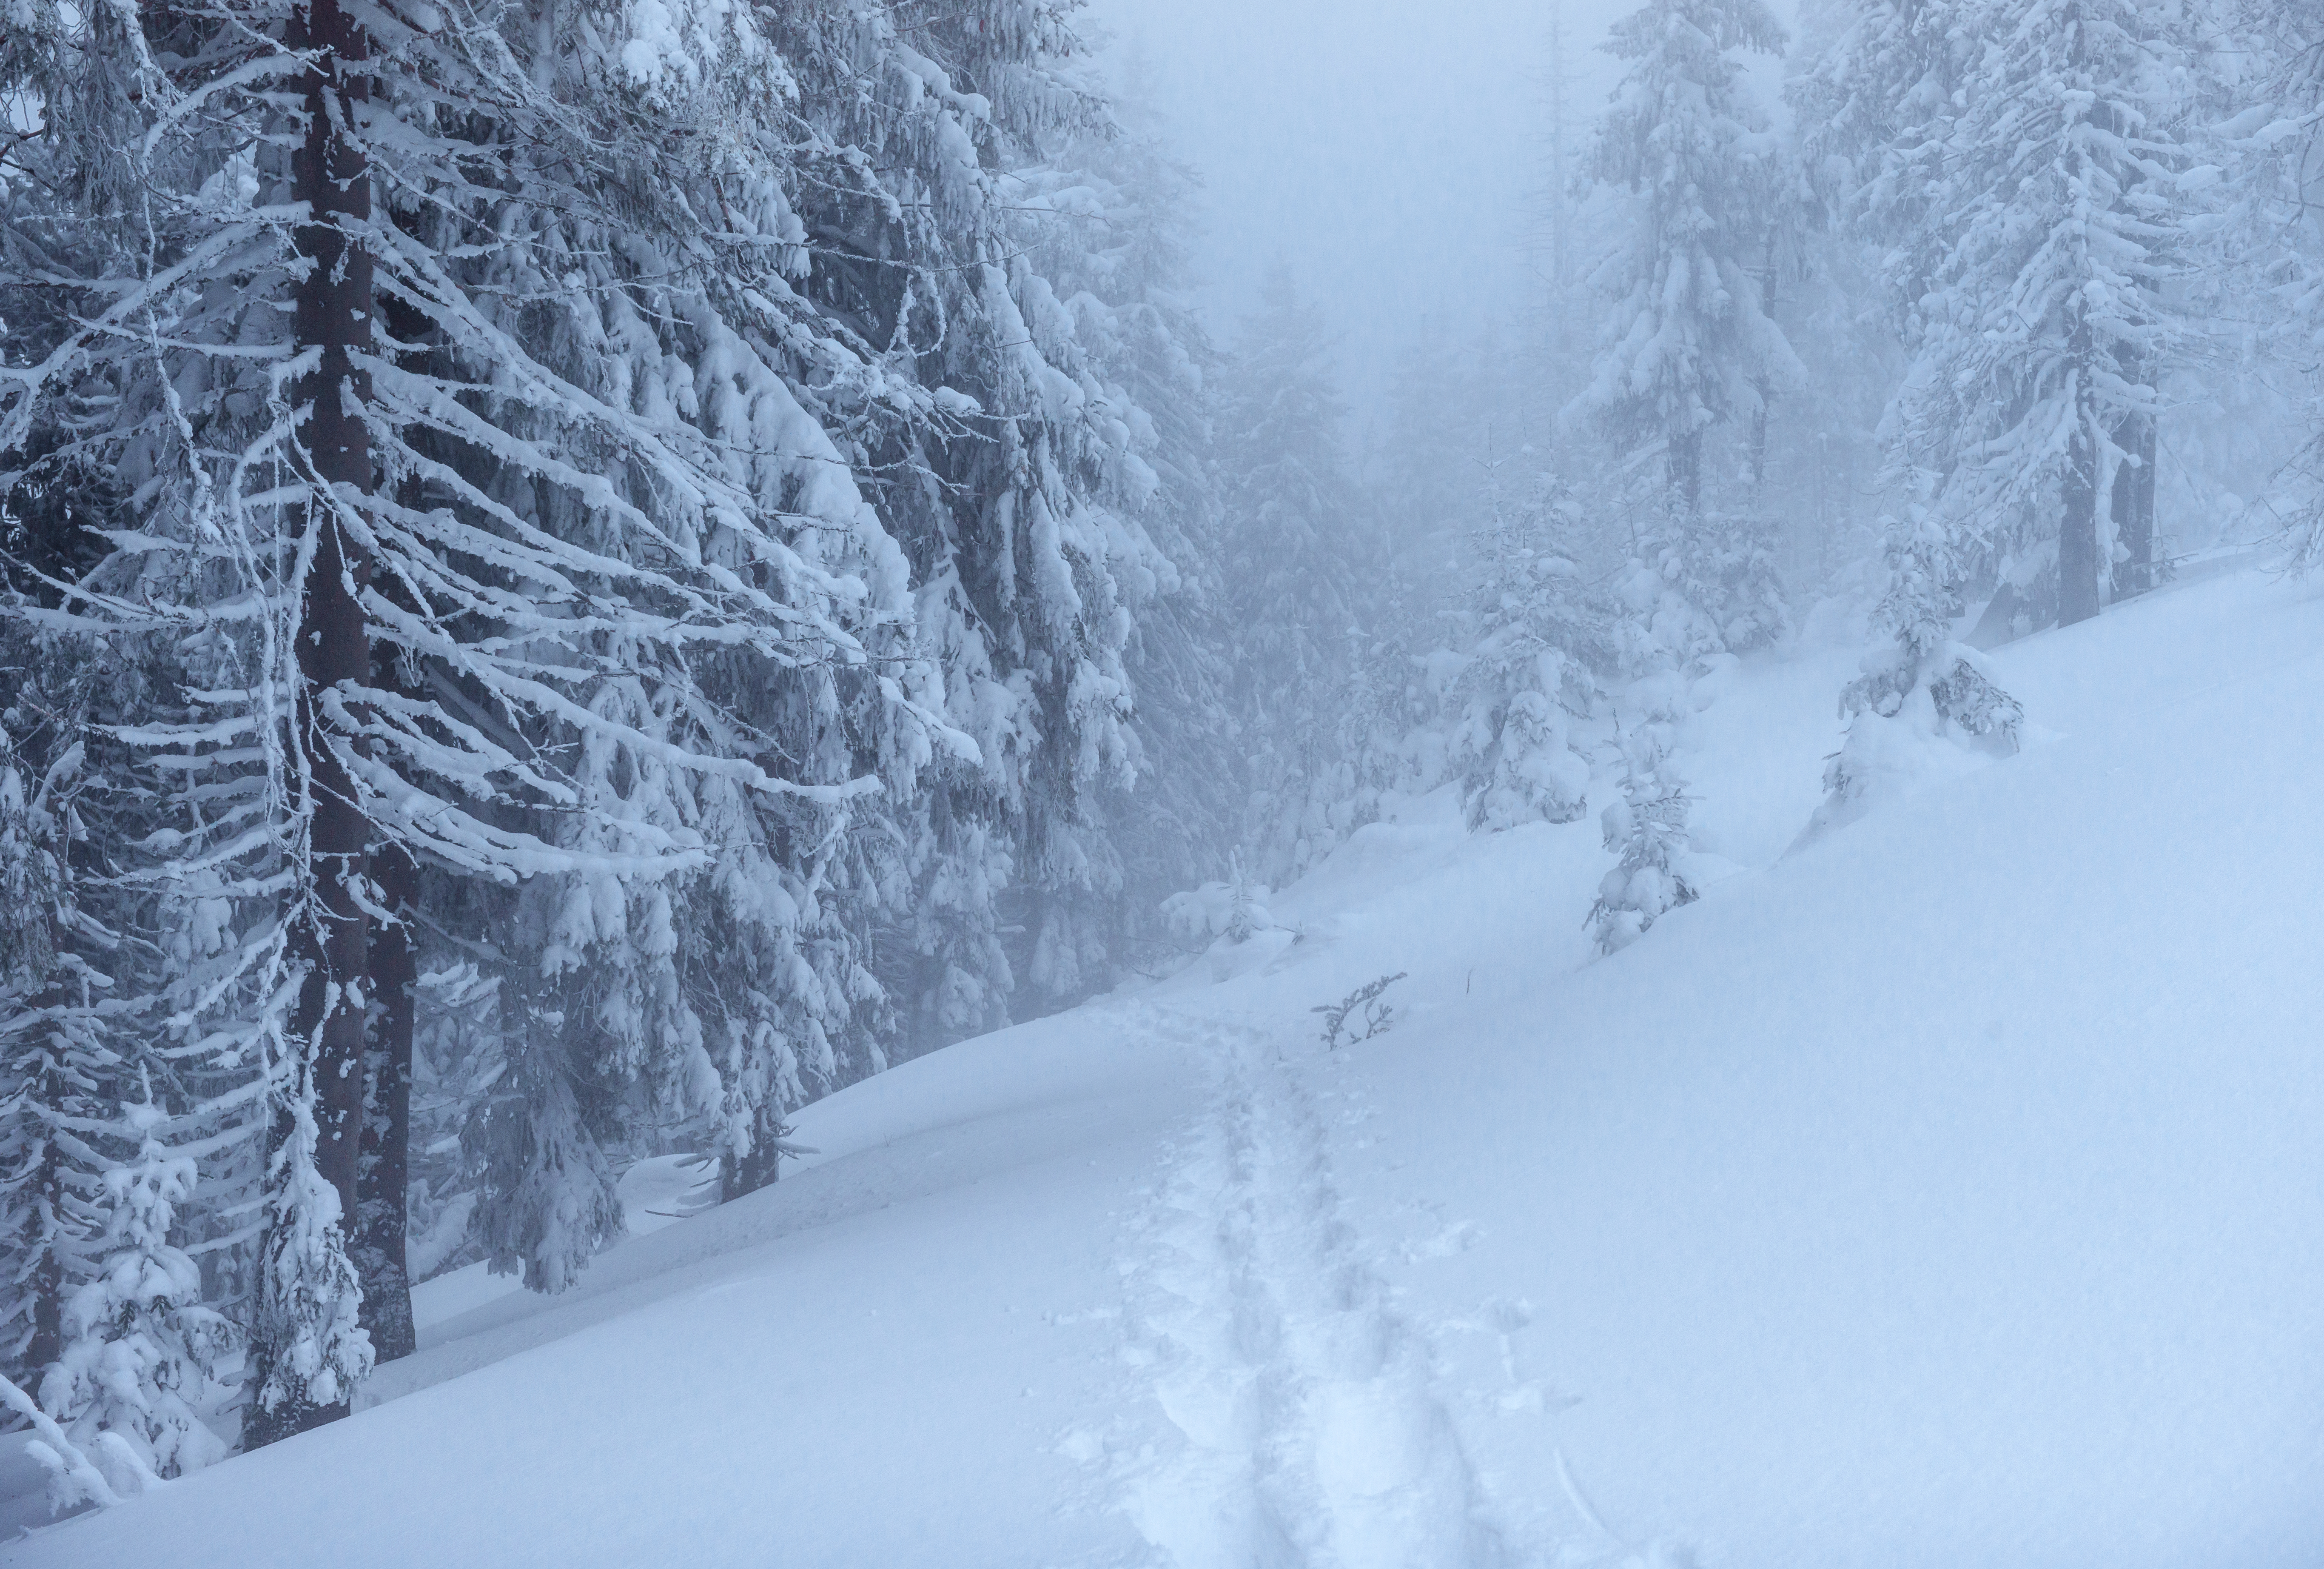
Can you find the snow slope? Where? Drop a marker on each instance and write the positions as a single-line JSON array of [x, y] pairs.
[[1946, 1192]]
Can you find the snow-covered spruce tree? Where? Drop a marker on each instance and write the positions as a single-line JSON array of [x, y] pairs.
[[2239, 410], [1646, 829], [1872, 92], [1538, 640], [1297, 545], [703, 1012], [1246, 904], [1876, 102], [558, 485], [1875, 93], [1454, 410], [539, 1139], [59, 947], [1106, 224], [1174, 830], [140, 1344], [2036, 276], [990, 446], [53, 1051], [456, 1052], [1687, 345], [1429, 465], [105, 1317], [1387, 729], [2273, 242]]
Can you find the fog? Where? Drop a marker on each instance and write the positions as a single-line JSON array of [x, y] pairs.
[[1395, 155], [745, 803], [1390, 152]]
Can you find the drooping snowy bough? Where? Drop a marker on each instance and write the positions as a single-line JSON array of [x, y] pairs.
[[594, 492]]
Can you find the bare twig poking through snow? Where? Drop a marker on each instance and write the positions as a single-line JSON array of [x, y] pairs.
[[1364, 1003]]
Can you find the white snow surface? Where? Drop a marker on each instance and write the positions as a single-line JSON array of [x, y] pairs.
[[1948, 1192]]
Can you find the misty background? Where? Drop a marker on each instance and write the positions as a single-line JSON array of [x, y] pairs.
[[1396, 156], [820, 676]]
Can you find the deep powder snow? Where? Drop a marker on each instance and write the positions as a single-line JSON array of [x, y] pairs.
[[1947, 1191]]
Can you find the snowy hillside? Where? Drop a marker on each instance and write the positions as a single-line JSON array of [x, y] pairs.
[[1946, 1192]]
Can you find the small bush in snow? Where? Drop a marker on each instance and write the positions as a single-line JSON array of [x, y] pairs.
[[1970, 701], [1923, 699], [1648, 829], [1699, 585], [1235, 909]]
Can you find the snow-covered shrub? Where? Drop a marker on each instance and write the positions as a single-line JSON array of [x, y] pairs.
[[1235, 909], [1646, 829], [1725, 567], [1699, 585], [1923, 704], [1968, 698], [73, 1478], [455, 1061], [140, 1343], [1529, 771]]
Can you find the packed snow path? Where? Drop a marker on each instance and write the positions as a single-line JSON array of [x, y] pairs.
[[1946, 1192], [1312, 1435]]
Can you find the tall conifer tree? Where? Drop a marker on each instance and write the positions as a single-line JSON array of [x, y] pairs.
[[1298, 548], [1687, 345]]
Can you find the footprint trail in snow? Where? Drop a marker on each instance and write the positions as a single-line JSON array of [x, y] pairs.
[[1312, 1437]]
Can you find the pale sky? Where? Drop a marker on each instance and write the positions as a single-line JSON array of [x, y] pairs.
[[1384, 147]]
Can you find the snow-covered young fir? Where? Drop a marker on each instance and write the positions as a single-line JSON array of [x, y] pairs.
[[1104, 783]]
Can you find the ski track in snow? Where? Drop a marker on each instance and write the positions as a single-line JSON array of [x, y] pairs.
[[1312, 1437]]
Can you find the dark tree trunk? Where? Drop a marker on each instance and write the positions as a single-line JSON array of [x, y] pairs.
[[2133, 506], [383, 1215], [381, 1202], [332, 313], [45, 1279], [36, 1253], [1762, 385], [1685, 461], [1759, 439], [739, 1175], [2141, 514], [2077, 533]]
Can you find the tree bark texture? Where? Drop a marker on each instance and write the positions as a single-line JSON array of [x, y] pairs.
[[1685, 462], [739, 1175], [44, 1281], [2133, 506], [382, 1204], [1759, 439], [2077, 533], [381, 1212], [331, 313]]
